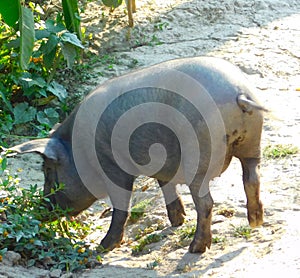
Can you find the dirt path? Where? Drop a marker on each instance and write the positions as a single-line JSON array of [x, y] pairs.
[[262, 37]]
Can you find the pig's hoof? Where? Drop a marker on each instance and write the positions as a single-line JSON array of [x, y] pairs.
[[108, 244], [176, 213], [255, 216], [199, 246]]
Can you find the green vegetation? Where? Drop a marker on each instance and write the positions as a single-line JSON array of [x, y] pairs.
[[186, 231], [145, 241], [52, 244], [41, 49], [32, 47], [217, 239], [242, 231], [139, 210], [154, 264], [184, 234], [279, 151], [149, 230]]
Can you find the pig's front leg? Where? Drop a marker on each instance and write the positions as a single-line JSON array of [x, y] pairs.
[[252, 188], [204, 205], [119, 195], [115, 233]]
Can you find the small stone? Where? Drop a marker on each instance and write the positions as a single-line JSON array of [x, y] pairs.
[[67, 275], [55, 273], [11, 258], [218, 219], [37, 272]]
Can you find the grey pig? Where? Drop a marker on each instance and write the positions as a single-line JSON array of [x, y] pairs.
[[221, 119]]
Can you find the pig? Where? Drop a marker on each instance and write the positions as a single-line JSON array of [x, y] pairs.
[[182, 121]]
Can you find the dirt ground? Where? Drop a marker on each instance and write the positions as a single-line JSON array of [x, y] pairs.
[[261, 37]]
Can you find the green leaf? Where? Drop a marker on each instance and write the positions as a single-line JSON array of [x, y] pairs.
[[71, 15], [38, 81], [26, 26], [112, 3], [19, 235], [6, 123], [3, 163], [30, 262], [41, 34], [49, 58], [68, 37], [5, 100], [51, 44], [38, 243], [57, 90], [52, 27], [48, 117], [24, 113], [9, 9], [69, 52], [49, 50], [14, 43]]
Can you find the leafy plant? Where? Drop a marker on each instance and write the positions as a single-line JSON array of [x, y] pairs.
[[187, 231], [217, 239], [154, 264], [242, 231], [54, 243], [149, 230], [279, 151], [160, 26], [145, 241], [31, 50], [71, 16], [139, 210], [146, 231], [184, 234], [12, 11]]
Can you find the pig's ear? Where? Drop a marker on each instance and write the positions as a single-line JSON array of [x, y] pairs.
[[50, 147]]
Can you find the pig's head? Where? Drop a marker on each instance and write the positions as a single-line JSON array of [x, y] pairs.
[[59, 168]]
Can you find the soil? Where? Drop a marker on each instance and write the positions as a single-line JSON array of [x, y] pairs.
[[262, 37]]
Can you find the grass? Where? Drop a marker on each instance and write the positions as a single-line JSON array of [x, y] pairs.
[[279, 151]]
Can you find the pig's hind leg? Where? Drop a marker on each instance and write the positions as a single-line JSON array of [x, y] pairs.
[[203, 205], [251, 182], [174, 203]]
